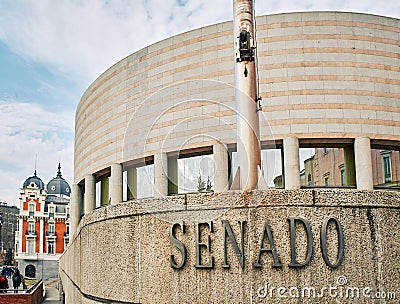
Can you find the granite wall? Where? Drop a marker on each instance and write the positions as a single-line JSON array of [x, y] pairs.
[[126, 253]]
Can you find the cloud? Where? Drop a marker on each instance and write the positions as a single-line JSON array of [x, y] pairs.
[[27, 130], [83, 38], [386, 8]]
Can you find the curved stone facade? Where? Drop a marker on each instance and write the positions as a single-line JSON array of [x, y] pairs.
[[327, 79], [321, 75]]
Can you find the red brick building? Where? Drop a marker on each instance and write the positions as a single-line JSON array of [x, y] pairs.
[[43, 225], [328, 167]]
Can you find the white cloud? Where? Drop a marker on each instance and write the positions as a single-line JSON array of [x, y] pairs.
[[27, 130], [387, 8], [83, 38]]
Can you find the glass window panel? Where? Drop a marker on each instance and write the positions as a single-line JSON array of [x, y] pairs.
[[196, 174]]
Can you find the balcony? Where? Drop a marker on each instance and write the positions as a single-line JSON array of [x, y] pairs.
[[30, 233], [51, 234], [56, 215]]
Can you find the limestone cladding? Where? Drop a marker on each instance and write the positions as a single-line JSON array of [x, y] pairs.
[[331, 75]]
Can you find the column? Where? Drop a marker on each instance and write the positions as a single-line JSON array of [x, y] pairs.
[[172, 175], [291, 163], [221, 174], [116, 184], [20, 234], [132, 183], [90, 193], [362, 157], [76, 207], [41, 235], [160, 175]]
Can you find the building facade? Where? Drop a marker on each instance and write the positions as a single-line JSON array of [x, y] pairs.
[[328, 80], [326, 167], [43, 231], [8, 226]]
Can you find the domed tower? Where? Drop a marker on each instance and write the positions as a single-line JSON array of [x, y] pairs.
[[58, 185], [43, 225], [34, 182]]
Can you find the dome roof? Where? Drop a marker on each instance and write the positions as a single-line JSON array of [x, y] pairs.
[[34, 181], [58, 185]]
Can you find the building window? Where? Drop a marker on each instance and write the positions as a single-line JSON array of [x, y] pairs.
[[67, 229], [31, 227], [342, 175], [325, 150], [326, 179], [31, 208], [50, 248], [342, 178], [309, 180], [31, 246], [387, 168], [51, 227]]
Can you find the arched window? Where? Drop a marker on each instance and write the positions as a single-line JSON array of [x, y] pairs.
[[30, 271]]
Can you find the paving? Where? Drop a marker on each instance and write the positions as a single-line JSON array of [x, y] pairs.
[[52, 294]]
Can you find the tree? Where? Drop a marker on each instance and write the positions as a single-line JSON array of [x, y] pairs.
[[201, 185], [209, 185]]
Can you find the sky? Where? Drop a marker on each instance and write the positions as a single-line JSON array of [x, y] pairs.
[[50, 52]]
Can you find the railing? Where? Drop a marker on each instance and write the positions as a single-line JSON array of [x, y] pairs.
[[30, 232], [11, 290], [32, 295]]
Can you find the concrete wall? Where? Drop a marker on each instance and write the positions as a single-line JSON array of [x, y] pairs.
[[322, 75], [122, 252]]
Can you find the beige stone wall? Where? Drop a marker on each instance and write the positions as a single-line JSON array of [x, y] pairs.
[[121, 252], [322, 75]]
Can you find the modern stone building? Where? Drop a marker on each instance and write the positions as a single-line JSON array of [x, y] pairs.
[[43, 232], [328, 80]]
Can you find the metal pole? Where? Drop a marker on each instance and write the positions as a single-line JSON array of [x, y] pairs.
[[247, 120]]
